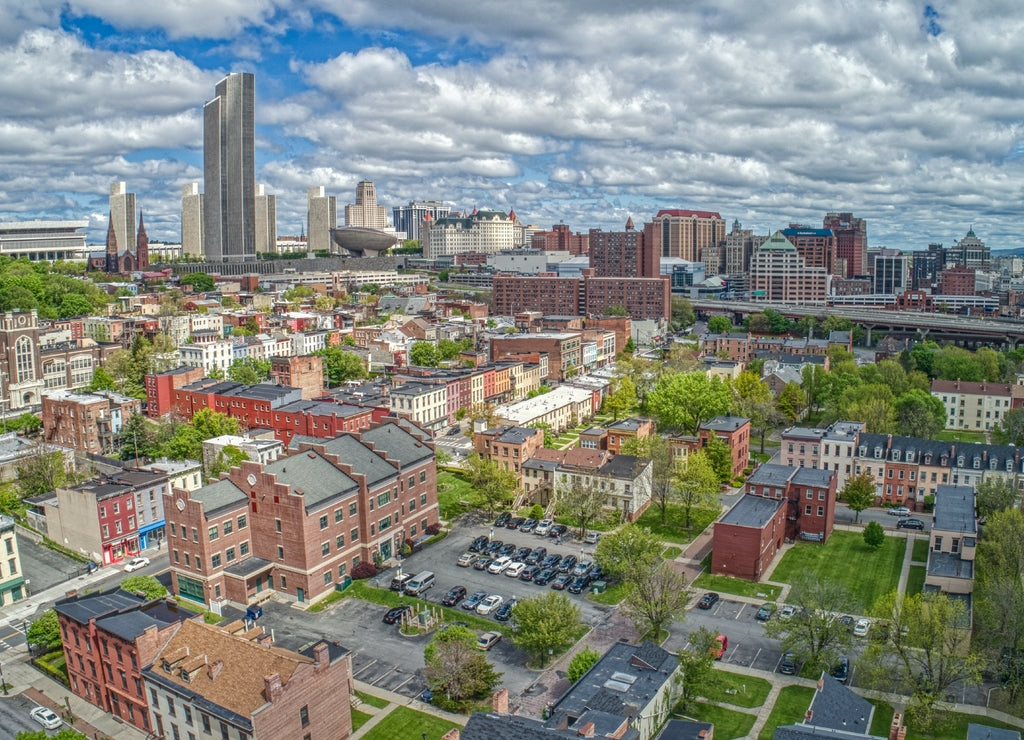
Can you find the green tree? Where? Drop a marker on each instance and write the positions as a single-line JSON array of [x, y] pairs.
[[655, 599], [957, 363], [44, 631], [65, 733], [341, 365], [720, 456], [456, 671], [920, 644], [249, 370], [423, 354], [792, 402], [101, 381], [137, 438], [815, 633], [920, 414], [547, 624], [581, 663], [859, 493], [27, 423], [200, 282], [581, 502], [187, 442], [148, 586], [448, 349], [683, 314], [999, 597], [1010, 430], [622, 399], [719, 324], [685, 401], [41, 472], [663, 467], [696, 484], [697, 668], [994, 494], [74, 304], [494, 483], [874, 535], [628, 549], [232, 457], [615, 311]]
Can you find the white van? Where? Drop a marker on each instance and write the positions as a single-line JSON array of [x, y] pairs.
[[420, 583]]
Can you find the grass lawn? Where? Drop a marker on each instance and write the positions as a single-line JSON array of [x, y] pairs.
[[954, 435], [915, 581], [789, 709], [359, 719], [674, 530], [955, 727], [453, 492], [882, 718], [728, 723], [750, 691], [844, 560], [671, 553], [372, 700], [615, 593], [408, 723], [736, 586], [921, 551]]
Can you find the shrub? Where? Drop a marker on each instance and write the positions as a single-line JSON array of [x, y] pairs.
[[365, 569], [581, 663], [433, 529]]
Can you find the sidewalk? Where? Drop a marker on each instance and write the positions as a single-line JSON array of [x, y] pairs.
[[20, 611]]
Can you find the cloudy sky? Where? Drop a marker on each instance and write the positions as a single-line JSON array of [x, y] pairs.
[[905, 113]]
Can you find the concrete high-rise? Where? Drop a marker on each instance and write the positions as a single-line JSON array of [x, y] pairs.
[[365, 212], [626, 254], [191, 220], [122, 216], [229, 170], [408, 218], [683, 234], [266, 221], [321, 217]]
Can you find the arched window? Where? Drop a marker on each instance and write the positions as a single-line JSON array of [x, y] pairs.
[[24, 359]]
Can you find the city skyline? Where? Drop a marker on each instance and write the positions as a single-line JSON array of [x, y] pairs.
[[904, 114]]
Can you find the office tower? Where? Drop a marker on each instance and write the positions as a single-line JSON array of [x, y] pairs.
[[851, 241], [683, 234], [890, 275], [229, 171], [266, 221], [322, 216], [779, 274], [816, 246], [191, 220], [969, 252], [623, 253], [122, 216], [408, 218], [366, 212]]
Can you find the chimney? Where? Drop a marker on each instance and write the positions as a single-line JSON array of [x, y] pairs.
[[896, 726], [322, 655], [71, 594], [821, 683], [452, 734], [266, 639], [808, 716], [214, 668], [499, 701], [586, 731], [273, 687]]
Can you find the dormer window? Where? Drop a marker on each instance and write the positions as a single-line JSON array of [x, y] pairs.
[[878, 453], [910, 456], [896, 455], [960, 461], [977, 462]]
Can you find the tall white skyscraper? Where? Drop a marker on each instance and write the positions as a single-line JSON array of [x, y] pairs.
[[365, 212], [321, 217], [192, 220], [122, 216], [266, 221], [229, 170]]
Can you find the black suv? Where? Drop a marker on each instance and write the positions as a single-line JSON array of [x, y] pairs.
[[536, 555], [502, 519], [454, 596], [909, 524], [478, 544]]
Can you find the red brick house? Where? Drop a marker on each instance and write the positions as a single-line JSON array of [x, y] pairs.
[[160, 388], [108, 638]]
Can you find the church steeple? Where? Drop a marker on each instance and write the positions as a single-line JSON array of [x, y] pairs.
[[142, 246], [111, 244]]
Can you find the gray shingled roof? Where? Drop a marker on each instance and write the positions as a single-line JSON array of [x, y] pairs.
[[770, 474], [838, 708], [310, 475], [398, 444], [219, 495], [954, 509], [350, 451]]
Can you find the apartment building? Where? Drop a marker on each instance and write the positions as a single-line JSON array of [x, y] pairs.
[[563, 350], [562, 408], [952, 542], [231, 683], [735, 432], [425, 404], [210, 354], [976, 406], [305, 372], [778, 274], [12, 578], [87, 422], [160, 388], [508, 446]]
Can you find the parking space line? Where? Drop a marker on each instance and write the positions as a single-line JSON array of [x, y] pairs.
[[384, 675], [364, 668], [403, 683], [756, 656], [742, 607]]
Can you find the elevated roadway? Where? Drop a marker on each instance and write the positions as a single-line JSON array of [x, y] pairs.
[[960, 329]]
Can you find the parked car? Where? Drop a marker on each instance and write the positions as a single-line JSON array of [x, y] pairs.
[[507, 549], [860, 629], [493, 546], [395, 614], [582, 568], [847, 621], [764, 613], [466, 559], [483, 562], [521, 554], [551, 561], [841, 672], [528, 525], [592, 537], [536, 555], [474, 601], [46, 717], [542, 527], [488, 640], [561, 581], [488, 605], [499, 565], [503, 517], [909, 524], [544, 576], [566, 564], [454, 596], [720, 646], [899, 511], [515, 570], [708, 600], [579, 584], [529, 572], [399, 581], [504, 612], [787, 611], [514, 522], [787, 664], [596, 572], [557, 530], [135, 564], [479, 544]]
